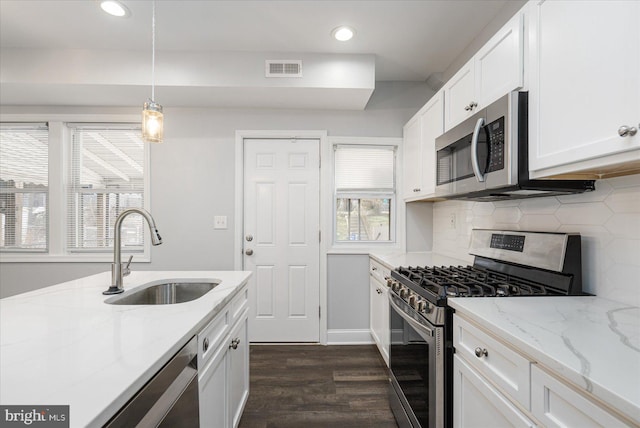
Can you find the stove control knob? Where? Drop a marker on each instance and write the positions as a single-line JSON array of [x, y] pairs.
[[420, 305], [390, 282], [404, 292], [395, 286], [412, 300]]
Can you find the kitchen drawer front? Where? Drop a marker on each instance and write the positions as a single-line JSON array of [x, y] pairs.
[[239, 303], [501, 365], [379, 271], [212, 335], [557, 405]]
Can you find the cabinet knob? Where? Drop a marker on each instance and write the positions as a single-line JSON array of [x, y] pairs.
[[471, 106], [416, 190], [625, 131], [378, 291], [205, 344], [481, 351], [234, 343]]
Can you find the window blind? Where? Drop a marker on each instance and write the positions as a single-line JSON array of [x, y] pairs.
[[364, 168], [106, 176], [24, 186]]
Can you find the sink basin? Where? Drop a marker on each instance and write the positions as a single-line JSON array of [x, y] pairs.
[[166, 293]]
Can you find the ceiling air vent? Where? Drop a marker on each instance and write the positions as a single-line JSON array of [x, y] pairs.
[[283, 68]]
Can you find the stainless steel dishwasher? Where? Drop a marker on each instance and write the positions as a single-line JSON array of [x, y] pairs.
[[170, 399]]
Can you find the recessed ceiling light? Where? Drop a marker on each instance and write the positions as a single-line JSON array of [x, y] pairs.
[[343, 33], [115, 8]]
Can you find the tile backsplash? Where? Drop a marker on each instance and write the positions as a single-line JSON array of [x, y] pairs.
[[608, 220]]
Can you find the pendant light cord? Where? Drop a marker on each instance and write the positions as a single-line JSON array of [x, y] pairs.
[[153, 49]]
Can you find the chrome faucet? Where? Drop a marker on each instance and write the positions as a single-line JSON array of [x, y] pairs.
[[119, 269]]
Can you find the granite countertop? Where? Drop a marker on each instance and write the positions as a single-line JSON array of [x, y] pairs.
[[62, 345], [593, 342], [428, 258]]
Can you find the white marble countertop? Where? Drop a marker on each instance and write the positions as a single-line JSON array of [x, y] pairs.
[[593, 342], [62, 345], [395, 260]]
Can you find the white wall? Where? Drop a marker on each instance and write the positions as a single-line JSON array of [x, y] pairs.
[[608, 220], [192, 180]]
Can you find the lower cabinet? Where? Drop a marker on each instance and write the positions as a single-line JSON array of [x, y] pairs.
[[477, 403], [495, 385], [379, 308], [223, 379]]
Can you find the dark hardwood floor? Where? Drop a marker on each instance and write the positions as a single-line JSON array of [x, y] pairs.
[[313, 386]]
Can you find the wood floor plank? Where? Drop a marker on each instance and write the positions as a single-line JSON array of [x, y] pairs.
[[317, 386]]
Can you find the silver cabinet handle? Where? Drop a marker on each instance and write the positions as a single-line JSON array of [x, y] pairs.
[[625, 131], [378, 291], [471, 106], [234, 343], [416, 190], [249, 252], [205, 344], [481, 351]]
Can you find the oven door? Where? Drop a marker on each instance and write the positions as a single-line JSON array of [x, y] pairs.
[[417, 368]]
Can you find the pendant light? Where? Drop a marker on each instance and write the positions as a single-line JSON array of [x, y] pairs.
[[152, 118]]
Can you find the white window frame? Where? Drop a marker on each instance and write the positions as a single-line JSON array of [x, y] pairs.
[[59, 159], [397, 207]]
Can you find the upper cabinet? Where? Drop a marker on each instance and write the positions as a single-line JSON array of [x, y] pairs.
[[420, 133], [494, 71], [584, 109]]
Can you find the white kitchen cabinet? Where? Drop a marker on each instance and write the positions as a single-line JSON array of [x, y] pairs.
[[584, 87], [419, 171], [411, 155], [379, 308], [556, 405], [223, 362], [495, 70], [477, 403]]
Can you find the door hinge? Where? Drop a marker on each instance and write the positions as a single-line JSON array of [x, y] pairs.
[[319, 311], [319, 236]]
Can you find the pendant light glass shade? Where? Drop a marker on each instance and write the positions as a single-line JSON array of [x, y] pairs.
[[152, 117], [152, 122]]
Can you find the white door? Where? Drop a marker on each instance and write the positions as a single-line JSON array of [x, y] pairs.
[[281, 238]]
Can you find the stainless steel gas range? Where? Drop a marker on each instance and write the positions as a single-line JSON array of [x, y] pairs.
[[506, 264]]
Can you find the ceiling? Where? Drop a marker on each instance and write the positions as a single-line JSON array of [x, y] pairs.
[[409, 40]]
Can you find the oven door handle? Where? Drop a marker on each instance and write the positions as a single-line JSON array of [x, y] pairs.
[[413, 323], [475, 164]]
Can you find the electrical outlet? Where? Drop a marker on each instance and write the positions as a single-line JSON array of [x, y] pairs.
[[220, 222], [452, 221]]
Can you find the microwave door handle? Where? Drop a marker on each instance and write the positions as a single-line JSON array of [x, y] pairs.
[[474, 150]]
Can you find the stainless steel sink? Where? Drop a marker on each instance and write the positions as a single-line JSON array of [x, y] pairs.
[[166, 293]]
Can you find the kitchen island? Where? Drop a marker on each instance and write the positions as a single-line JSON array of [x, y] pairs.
[[589, 343], [63, 345]]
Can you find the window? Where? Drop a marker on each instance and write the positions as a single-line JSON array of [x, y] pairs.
[[62, 186], [105, 178], [364, 193], [24, 187]]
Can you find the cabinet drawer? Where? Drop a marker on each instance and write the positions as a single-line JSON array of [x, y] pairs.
[[501, 365], [379, 271], [211, 336], [557, 405]]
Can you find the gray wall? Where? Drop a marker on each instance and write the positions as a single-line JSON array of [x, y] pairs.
[[192, 180], [348, 291]]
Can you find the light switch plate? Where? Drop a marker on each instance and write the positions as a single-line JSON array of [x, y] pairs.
[[220, 222]]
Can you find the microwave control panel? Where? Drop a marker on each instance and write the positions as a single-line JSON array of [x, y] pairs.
[[495, 134]]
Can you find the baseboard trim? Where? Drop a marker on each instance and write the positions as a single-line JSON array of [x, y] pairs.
[[349, 337]]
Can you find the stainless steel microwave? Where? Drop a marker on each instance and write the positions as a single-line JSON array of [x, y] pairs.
[[485, 158]]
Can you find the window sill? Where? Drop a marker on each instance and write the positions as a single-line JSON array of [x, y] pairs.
[[365, 248], [70, 258]]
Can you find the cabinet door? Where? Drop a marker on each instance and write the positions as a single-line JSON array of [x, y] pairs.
[[585, 83], [557, 405], [476, 403], [499, 64], [432, 124], [411, 172], [379, 317], [213, 390], [460, 99], [238, 369]]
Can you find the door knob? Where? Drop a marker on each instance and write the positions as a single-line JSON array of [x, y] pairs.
[[624, 130], [249, 252]]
